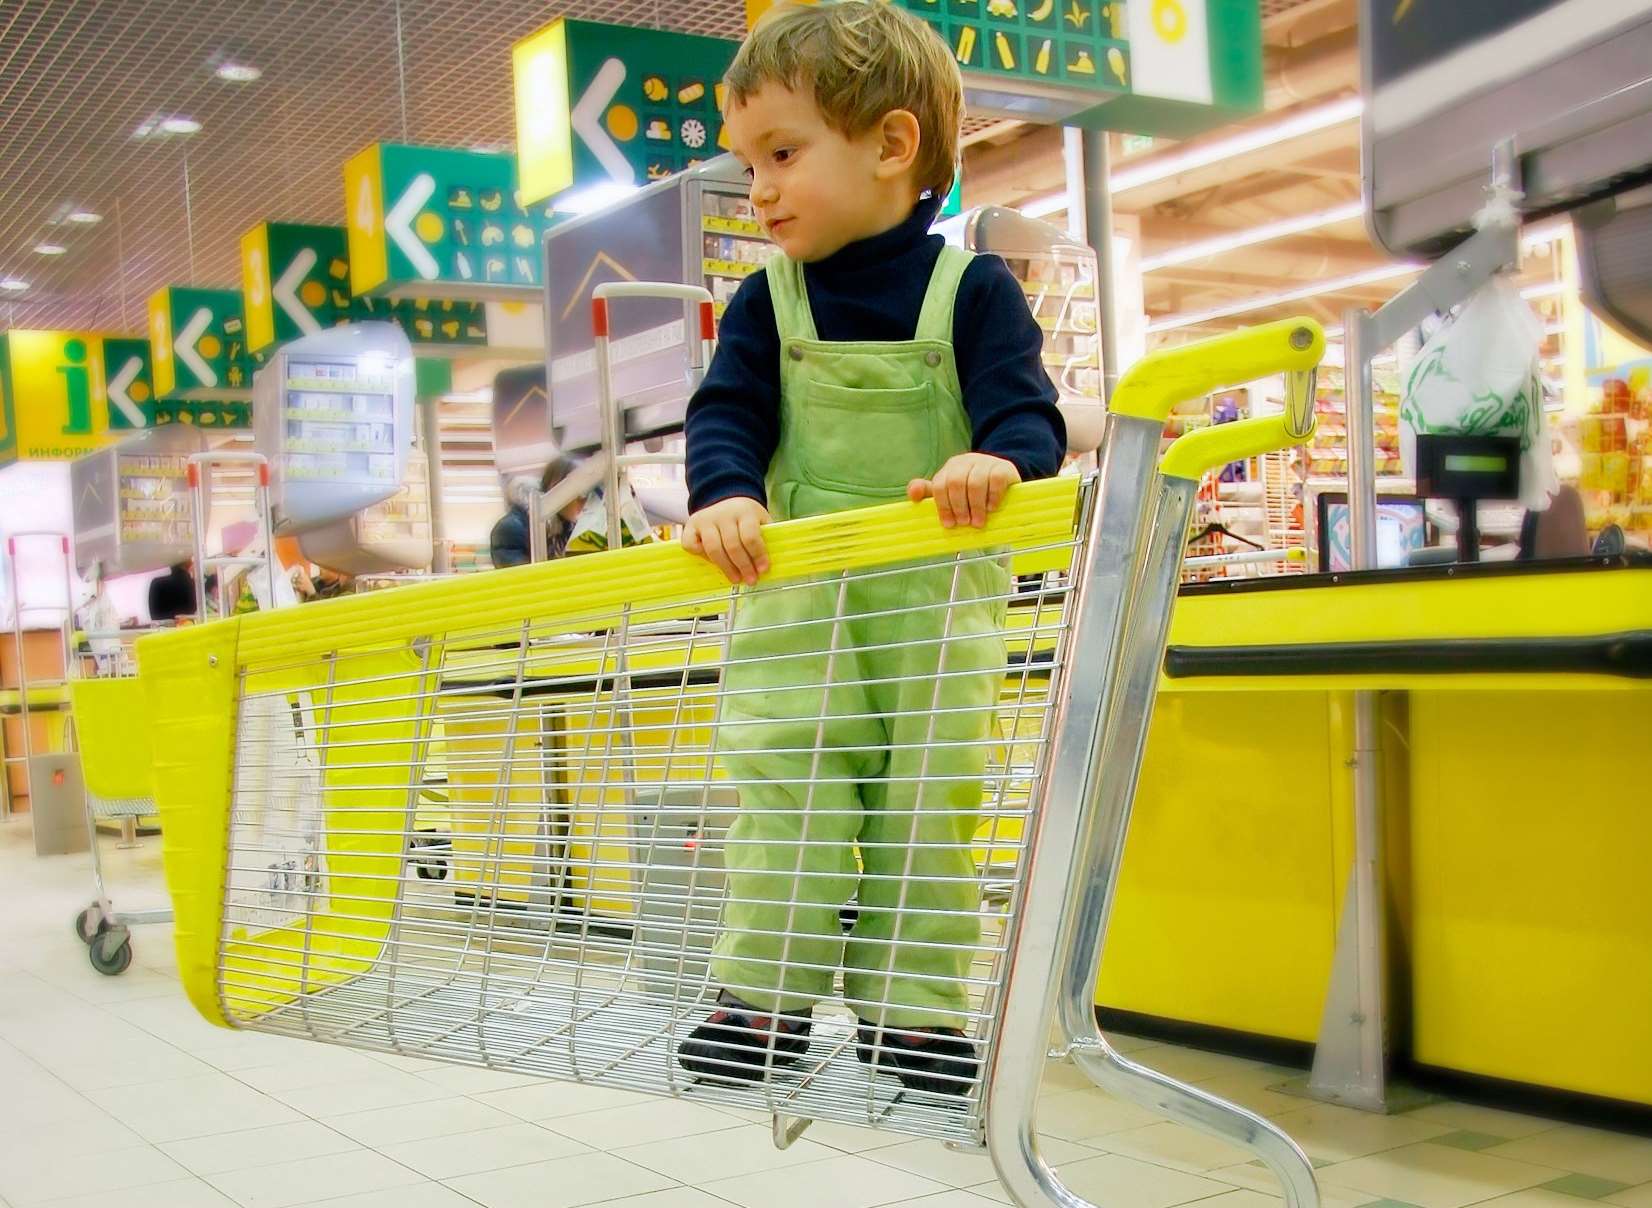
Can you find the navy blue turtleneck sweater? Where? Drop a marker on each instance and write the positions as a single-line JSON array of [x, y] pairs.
[[873, 289]]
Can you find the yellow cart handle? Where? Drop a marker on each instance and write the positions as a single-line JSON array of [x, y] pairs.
[[1160, 380]]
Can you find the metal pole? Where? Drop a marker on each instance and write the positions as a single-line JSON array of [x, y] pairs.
[[432, 435], [1362, 456], [1098, 232]]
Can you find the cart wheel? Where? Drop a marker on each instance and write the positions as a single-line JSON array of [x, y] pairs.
[[431, 868], [89, 924], [111, 951]]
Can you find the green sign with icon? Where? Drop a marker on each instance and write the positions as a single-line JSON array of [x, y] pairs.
[[198, 345], [438, 222], [295, 278], [615, 103]]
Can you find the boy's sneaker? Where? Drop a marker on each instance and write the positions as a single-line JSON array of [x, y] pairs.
[[938, 1060], [739, 1043]]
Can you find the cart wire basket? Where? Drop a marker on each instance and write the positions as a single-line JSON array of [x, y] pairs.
[[942, 811]]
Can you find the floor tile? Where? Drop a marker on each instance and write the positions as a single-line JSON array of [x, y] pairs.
[[849, 1138], [956, 1198], [1253, 1176], [159, 1064], [254, 1147], [742, 1149], [1331, 1133], [515, 1144], [846, 1181], [1585, 1186], [671, 1197], [474, 1080], [1467, 1138], [314, 1065], [191, 1107], [1176, 1146], [27, 1178], [1191, 1065], [640, 1123], [96, 1130], [385, 1126], [1475, 1118], [1112, 1178], [1585, 1150], [1242, 1197], [562, 1183], [420, 1195], [1436, 1176], [545, 1100], [1635, 1197], [1083, 1115], [1534, 1197], [933, 1160], [310, 1180], [386, 1088], [184, 1193]]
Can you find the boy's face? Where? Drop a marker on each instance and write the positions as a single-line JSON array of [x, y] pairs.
[[814, 188]]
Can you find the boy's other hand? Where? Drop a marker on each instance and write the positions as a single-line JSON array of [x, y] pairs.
[[967, 489], [728, 534]]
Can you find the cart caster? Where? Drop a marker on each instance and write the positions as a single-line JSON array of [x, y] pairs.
[[429, 866], [111, 952], [89, 924]]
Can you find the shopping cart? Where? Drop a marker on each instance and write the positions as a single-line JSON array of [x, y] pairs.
[[583, 706], [111, 732]]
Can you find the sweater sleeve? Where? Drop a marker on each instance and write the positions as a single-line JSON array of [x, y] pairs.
[[998, 347], [733, 423]]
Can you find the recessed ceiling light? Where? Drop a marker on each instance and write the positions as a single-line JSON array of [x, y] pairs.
[[179, 125], [84, 217], [14, 285], [239, 73], [50, 249]]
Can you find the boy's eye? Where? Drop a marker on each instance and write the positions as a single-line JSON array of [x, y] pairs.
[[783, 154]]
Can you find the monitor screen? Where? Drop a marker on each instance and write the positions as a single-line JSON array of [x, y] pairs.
[[1401, 527]]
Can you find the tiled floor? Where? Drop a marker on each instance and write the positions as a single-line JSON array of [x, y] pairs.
[[115, 1094]]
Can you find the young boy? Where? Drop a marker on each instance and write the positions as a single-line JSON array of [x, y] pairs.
[[869, 363]]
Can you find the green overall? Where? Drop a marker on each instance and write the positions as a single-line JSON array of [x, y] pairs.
[[856, 710]]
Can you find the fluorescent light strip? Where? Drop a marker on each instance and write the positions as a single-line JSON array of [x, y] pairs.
[[1385, 273], [1243, 143], [1248, 238]]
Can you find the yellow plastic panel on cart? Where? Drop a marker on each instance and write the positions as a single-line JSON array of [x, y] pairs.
[[1532, 900], [366, 713], [112, 730]]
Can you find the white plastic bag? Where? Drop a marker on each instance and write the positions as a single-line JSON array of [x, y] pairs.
[[1479, 375], [590, 532]]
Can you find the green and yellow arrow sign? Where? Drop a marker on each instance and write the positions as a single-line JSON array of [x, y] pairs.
[[1167, 68], [65, 393], [295, 279], [433, 220], [198, 345], [597, 103]]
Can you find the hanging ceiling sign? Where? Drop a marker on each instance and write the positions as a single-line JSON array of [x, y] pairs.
[[295, 279], [198, 345], [434, 222], [1167, 68], [615, 104], [64, 394]]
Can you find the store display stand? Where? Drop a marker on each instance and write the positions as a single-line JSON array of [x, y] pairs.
[[24, 687]]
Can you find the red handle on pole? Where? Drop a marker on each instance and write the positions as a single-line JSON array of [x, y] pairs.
[[708, 322], [599, 318]]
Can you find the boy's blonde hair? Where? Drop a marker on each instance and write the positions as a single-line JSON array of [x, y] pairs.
[[863, 59]]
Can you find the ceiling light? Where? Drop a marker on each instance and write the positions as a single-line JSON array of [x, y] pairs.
[[84, 217], [1162, 167], [14, 285], [179, 125], [239, 73], [1248, 238], [50, 249], [1384, 273], [592, 197]]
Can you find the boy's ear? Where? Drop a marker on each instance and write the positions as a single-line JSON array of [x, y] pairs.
[[899, 139]]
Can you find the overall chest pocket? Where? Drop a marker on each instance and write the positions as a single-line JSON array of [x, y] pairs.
[[870, 441]]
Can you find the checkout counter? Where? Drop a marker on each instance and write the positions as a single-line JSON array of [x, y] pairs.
[[1515, 704]]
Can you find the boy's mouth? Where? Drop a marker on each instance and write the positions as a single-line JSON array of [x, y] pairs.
[[776, 223]]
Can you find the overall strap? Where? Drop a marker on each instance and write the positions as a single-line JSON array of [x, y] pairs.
[[935, 320], [792, 316]]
